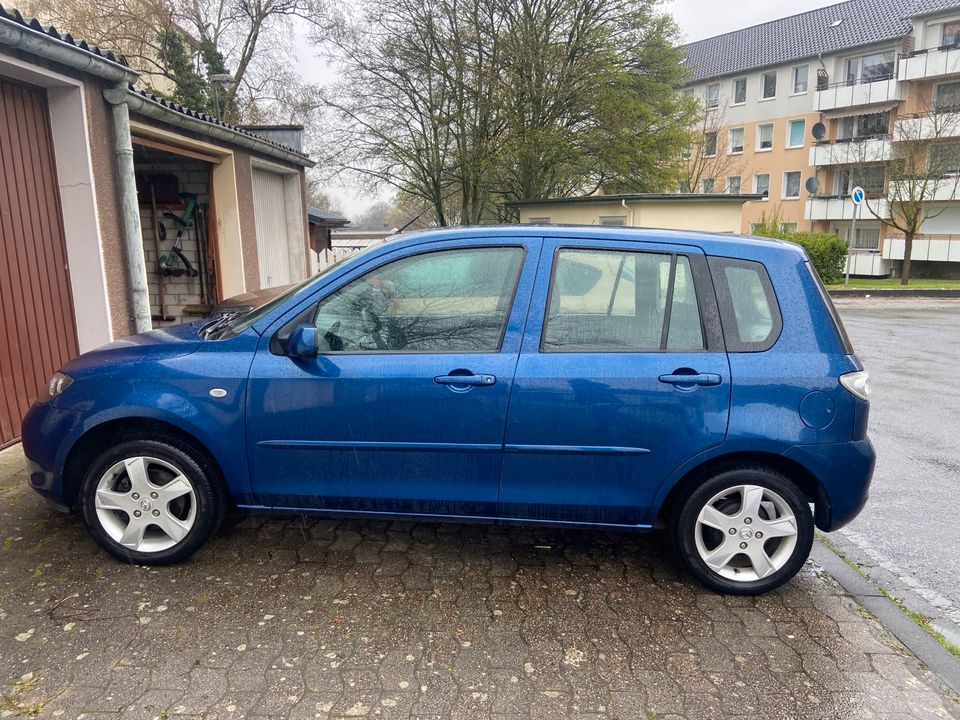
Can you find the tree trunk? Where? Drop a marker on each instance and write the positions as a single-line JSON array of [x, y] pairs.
[[907, 252]]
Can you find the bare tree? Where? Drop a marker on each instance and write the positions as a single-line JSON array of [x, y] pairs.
[[924, 168], [710, 156]]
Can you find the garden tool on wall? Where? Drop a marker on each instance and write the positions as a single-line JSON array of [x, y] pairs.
[[185, 221]]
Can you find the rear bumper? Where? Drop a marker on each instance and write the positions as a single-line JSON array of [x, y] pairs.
[[844, 471]]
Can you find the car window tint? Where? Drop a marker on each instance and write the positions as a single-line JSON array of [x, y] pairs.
[[620, 301], [446, 301], [748, 305]]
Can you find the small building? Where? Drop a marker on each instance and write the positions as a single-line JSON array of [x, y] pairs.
[[322, 224], [121, 211], [345, 241], [717, 212]]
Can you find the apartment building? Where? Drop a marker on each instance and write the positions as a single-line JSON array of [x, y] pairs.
[[805, 107]]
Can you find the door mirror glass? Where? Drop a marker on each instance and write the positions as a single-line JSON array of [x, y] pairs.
[[302, 342]]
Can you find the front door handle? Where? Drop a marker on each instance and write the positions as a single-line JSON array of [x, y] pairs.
[[465, 379], [691, 379]]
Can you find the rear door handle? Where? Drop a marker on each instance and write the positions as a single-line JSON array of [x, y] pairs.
[[695, 379], [465, 379]]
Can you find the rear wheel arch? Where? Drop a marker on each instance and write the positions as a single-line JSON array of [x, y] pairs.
[[794, 471], [92, 443]]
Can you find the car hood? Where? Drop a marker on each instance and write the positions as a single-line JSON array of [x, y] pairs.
[[168, 342]]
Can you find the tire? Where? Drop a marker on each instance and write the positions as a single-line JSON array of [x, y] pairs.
[[167, 484], [744, 531]]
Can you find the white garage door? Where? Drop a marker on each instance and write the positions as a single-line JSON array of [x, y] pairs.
[[279, 244]]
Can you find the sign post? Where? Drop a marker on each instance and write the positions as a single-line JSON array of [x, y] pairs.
[[856, 196]]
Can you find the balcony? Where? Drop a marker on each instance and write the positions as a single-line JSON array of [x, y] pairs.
[[838, 96], [832, 207], [945, 189], [867, 263], [849, 152], [932, 63], [945, 248], [928, 126]]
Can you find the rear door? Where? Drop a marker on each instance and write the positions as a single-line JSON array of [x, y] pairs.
[[621, 378]]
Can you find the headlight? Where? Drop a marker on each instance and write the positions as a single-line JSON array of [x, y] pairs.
[[56, 385], [858, 383]]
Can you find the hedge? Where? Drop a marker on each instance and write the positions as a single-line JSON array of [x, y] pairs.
[[827, 252]]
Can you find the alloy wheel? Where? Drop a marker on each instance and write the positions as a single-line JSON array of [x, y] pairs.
[[746, 533], [145, 504]]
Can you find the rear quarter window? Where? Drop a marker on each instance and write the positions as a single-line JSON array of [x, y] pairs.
[[749, 310]]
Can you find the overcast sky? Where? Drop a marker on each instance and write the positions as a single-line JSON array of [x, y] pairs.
[[697, 19]]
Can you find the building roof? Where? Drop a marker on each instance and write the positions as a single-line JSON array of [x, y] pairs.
[[830, 29], [327, 217], [265, 143], [642, 197]]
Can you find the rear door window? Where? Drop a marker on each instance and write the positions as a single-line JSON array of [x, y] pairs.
[[622, 301], [748, 306]]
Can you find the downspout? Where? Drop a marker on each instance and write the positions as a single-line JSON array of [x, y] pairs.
[[116, 95], [624, 203]]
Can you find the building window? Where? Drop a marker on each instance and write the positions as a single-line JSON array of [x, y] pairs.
[[867, 238], [788, 227], [684, 186], [944, 159], [769, 85], [733, 185], [765, 136], [687, 92], [539, 221], [951, 33], [855, 127], [870, 68], [739, 91], [947, 97], [707, 185], [795, 131], [791, 184], [713, 95], [613, 220], [800, 79], [869, 177], [709, 144], [736, 141], [761, 184]]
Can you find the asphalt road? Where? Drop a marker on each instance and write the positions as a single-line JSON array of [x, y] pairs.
[[911, 525]]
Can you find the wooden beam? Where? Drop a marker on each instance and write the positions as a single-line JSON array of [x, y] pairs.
[[166, 147]]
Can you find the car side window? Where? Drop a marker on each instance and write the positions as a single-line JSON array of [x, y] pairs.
[[436, 302], [622, 301], [748, 306]]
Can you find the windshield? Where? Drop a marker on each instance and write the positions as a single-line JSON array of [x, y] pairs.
[[242, 322]]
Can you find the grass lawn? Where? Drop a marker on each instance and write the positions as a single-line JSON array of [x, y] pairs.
[[894, 284]]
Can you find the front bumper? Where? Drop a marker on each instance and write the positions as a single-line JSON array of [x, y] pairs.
[[844, 471], [46, 435]]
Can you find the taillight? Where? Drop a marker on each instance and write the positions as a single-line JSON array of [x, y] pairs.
[[857, 383]]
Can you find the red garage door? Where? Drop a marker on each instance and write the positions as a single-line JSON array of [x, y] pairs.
[[37, 332]]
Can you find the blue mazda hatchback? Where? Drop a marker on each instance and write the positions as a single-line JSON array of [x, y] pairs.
[[601, 377]]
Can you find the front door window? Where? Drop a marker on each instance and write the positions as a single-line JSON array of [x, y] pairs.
[[439, 302]]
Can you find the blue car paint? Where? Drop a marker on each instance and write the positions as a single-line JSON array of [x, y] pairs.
[[586, 438]]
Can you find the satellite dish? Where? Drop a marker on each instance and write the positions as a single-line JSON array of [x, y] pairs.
[[819, 130], [812, 185]]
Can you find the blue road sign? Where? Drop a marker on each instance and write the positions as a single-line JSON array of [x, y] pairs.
[[857, 195]]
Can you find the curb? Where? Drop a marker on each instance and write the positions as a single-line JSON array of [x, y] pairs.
[[886, 292], [916, 640]]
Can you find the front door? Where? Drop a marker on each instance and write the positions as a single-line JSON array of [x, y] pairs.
[[619, 382], [404, 409]]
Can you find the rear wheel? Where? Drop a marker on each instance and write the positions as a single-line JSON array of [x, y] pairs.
[[744, 531], [151, 501]]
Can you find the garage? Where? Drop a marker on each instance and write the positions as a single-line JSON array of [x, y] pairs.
[[37, 327], [278, 214]]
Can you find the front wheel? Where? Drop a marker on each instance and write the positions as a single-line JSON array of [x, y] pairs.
[[744, 531], [151, 501]]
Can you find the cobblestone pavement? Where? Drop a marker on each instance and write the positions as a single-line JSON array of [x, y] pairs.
[[300, 618]]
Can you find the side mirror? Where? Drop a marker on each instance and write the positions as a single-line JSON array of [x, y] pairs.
[[303, 342]]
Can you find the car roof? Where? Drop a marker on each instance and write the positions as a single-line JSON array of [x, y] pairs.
[[723, 244]]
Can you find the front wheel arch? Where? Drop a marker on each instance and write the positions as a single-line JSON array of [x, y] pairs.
[[112, 432]]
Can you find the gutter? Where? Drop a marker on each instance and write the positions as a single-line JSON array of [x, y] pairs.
[[20, 37], [142, 105]]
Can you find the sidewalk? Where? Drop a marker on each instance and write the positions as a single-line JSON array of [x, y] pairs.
[[300, 618]]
